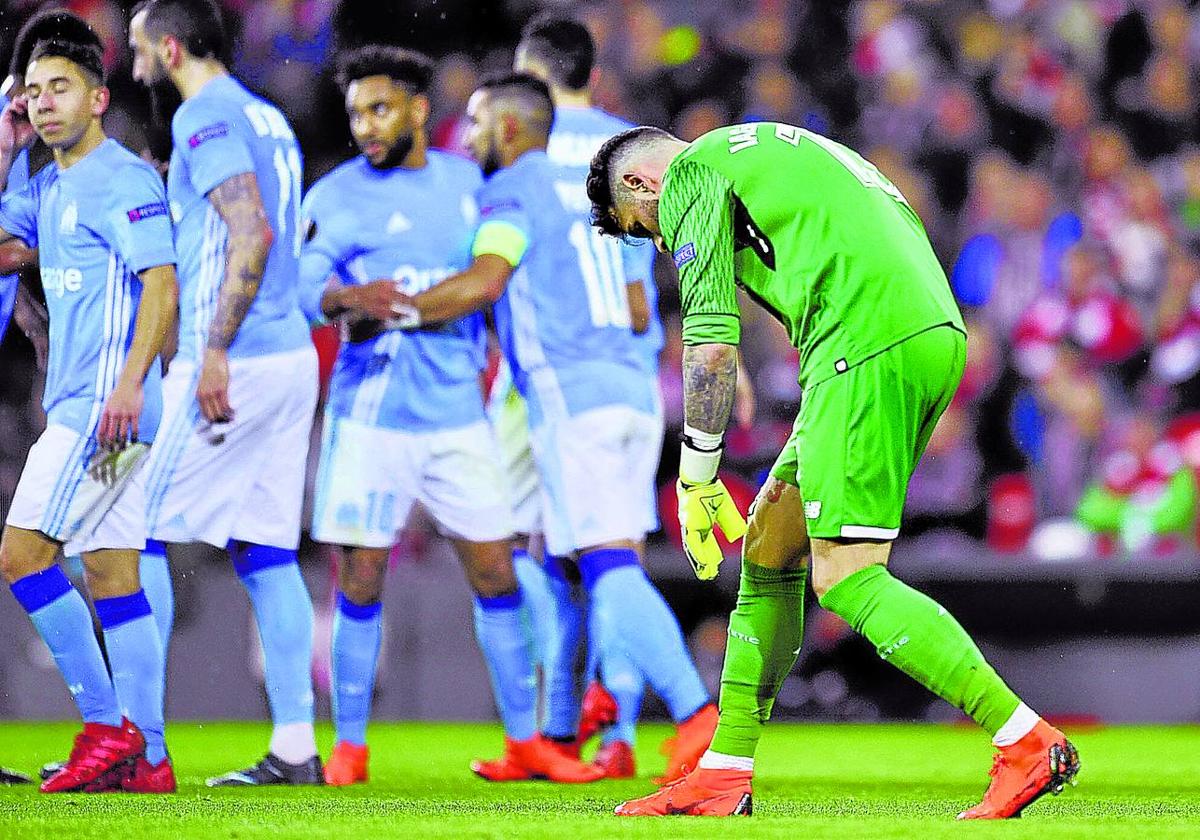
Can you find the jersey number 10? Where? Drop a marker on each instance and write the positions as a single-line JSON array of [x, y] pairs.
[[603, 276]]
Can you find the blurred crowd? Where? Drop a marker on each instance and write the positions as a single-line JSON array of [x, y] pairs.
[[1051, 146]]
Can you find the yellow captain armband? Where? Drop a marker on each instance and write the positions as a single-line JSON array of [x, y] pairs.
[[503, 239]]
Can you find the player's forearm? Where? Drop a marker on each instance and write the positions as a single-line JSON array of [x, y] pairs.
[[14, 254], [639, 307], [155, 321], [477, 288], [709, 386], [249, 245], [30, 316]]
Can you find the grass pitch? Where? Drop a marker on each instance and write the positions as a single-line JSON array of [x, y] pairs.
[[885, 781]]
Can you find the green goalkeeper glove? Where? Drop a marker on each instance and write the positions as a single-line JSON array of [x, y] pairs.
[[704, 503]]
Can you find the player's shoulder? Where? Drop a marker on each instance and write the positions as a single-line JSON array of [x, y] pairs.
[[341, 176], [456, 168], [213, 112]]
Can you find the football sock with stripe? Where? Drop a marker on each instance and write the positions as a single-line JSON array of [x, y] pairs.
[[357, 633], [629, 614], [537, 601], [155, 575], [765, 632], [136, 658], [917, 635], [63, 620], [284, 614], [507, 648]]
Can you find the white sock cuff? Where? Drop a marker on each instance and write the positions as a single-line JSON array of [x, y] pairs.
[[1019, 724], [719, 761], [294, 742]]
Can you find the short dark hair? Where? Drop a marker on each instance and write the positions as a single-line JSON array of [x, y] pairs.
[[409, 68], [88, 57], [599, 179], [50, 25], [196, 23], [564, 46], [530, 91]]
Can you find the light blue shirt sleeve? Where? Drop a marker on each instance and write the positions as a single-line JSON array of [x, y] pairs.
[[319, 257], [501, 201], [211, 145], [18, 213], [140, 219]]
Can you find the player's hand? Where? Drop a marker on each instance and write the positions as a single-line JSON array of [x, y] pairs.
[[381, 300], [703, 508], [16, 131], [119, 420], [213, 390]]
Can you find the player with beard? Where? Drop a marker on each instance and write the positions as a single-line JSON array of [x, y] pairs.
[[404, 421], [574, 360], [241, 391]]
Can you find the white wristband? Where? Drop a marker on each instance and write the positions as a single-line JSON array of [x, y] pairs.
[[699, 456]]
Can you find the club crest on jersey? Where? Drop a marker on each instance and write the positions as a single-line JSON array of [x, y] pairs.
[[685, 255], [69, 219], [398, 223], [146, 211], [209, 132]]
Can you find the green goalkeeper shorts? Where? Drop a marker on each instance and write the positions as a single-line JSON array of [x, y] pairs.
[[860, 434]]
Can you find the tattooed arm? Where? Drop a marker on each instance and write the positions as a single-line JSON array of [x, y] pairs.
[[709, 386], [240, 205]]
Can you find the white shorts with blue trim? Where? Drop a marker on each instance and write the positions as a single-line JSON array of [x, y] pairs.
[[242, 480], [370, 478], [510, 419], [593, 468], [85, 509]]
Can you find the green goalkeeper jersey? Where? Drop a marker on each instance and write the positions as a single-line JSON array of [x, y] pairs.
[[812, 232]]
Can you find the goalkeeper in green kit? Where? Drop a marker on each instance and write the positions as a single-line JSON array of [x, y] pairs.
[[818, 237]]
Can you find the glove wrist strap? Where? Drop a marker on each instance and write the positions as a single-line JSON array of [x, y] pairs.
[[699, 456]]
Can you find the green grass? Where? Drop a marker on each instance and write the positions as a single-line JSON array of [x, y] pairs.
[[888, 781]]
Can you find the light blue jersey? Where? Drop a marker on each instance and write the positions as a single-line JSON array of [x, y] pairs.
[[563, 321], [95, 225], [414, 226], [224, 131], [18, 177], [576, 135]]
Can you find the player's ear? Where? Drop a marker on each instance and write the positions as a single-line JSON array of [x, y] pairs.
[[101, 96], [170, 51], [510, 127], [634, 182], [419, 110]]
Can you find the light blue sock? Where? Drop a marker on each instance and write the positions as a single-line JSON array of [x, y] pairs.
[[629, 614], [156, 583], [538, 603], [62, 619], [506, 647], [136, 657], [562, 700], [357, 632], [624, 681], [284, 613]]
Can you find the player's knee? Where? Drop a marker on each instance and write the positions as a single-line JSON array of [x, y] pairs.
[[10, 565], [493, 580], [361, 577]]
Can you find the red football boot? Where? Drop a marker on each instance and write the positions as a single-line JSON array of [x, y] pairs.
[[691, 739], [149, 778], [1042, 762], [597, 712], [701, 793], [99, 752], [616, 760], [347, 764], [536, 758]]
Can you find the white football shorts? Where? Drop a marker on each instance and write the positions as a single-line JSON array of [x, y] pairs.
[[510, 419], [86, 509], [370, 477], [242, 480]]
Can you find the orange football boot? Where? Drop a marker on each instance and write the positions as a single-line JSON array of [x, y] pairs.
[[101, 754], [536, 758], [347, 764], [701, 793], [597, 711], [1042, 762], [616, 760], [145, 777], [691, 739]]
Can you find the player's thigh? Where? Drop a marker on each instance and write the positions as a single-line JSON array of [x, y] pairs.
[[775, 535], [366, 484], [112, 572], [272, 507], [586, 464], [488, 566], [835, 560], [24, 552], [462, 486]]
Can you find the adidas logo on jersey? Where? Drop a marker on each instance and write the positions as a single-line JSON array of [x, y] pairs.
[[398, 223]]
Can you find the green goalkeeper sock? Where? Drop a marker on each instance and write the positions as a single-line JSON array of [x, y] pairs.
[[918, 636], [764, 639]]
